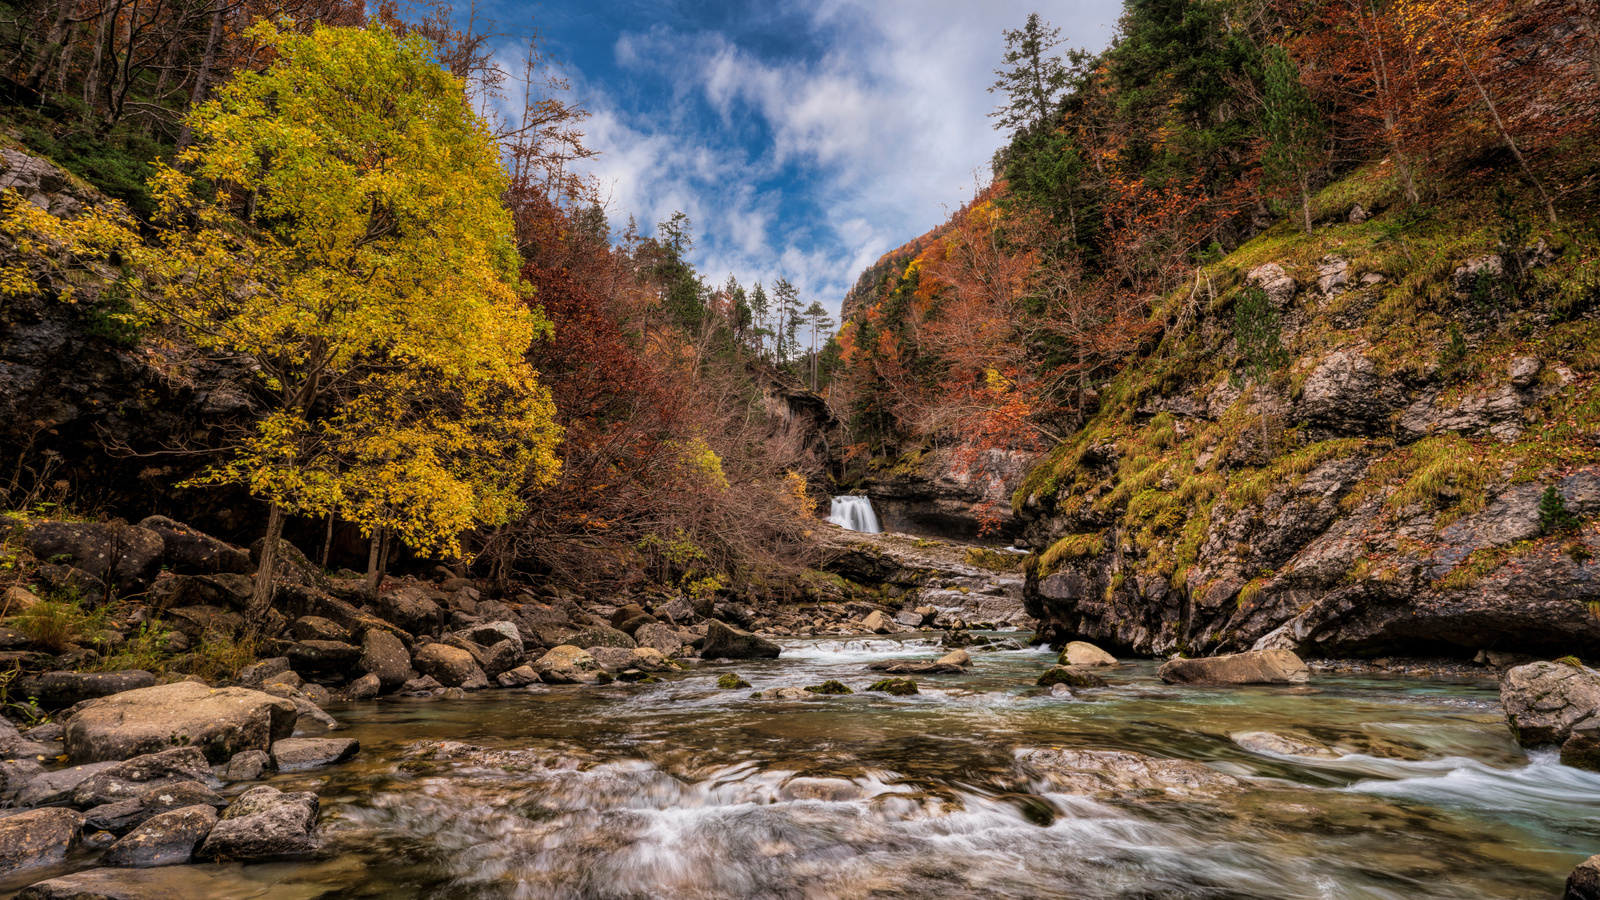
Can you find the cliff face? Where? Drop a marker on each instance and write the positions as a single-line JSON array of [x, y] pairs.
[[1422, 475], [941, 493], [88, 400]]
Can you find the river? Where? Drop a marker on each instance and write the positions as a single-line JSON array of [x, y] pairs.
[[680, 790]]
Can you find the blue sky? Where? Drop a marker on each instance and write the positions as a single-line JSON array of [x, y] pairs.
[[803, 139]]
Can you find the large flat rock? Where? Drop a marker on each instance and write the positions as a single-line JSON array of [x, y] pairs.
[[219, 721]]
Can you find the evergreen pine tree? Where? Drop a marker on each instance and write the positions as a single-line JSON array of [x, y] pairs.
[[1296, 132], [1032, 80]]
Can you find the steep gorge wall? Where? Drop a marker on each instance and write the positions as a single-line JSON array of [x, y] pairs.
[[1379, 494]]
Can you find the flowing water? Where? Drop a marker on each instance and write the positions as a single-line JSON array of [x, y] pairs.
[[679, 790], [855, 514]]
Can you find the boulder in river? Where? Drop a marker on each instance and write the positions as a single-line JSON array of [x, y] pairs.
[[1251, 667], [219, 721], [38, 837], [1544, 700], [1083, 653], [786, 693], [1581, 749], [1282, 744], [450, 666], [247, 766], [129, 778], [660, 637], [383, 655], [163, 840], [1584, 882], [264, 822], [1120, 773], [724, 641], [567, 664], [310, 753], [899, 687], [57, 786], [1071, 676], [878, 623], [731, 682]]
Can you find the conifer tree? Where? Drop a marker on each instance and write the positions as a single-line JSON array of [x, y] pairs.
[[1032, 80], [1296, 133]]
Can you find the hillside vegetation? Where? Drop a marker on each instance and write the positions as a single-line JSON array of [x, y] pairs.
[[1302, 301]]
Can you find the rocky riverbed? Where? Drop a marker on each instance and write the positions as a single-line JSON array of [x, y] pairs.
[[436, 741]]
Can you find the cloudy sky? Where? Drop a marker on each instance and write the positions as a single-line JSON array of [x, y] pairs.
[[803, 139]]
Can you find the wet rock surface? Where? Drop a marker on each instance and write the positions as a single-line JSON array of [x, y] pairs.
[[1255, 667], [264, 823], [37, 838], [1544, 701], [1122, 773]]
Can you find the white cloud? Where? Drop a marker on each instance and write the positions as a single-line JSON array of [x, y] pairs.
[[882, 133]]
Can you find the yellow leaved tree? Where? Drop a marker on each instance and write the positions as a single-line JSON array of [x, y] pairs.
[[338, 221]]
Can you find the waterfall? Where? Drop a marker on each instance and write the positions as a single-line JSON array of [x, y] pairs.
[[854, 513]]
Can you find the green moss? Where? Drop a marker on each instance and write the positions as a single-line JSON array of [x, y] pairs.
[[830, 687], [731, 682], [899, 687]]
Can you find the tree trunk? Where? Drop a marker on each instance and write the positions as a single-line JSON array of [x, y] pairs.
[[107, 17], [374, 550], [1305, 199], [186, 134], [52, 45], [327, 540], [261, 596], [1505, 135]]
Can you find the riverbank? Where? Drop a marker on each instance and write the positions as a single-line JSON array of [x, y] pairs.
[[684, 789]]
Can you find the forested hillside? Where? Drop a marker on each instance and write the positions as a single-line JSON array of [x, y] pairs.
[[399, 332], [1302, 299]]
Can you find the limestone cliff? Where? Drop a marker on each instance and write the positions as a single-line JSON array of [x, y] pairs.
[[1422, 474]]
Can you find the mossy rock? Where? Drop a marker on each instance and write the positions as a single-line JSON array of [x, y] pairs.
[[731, 682], [830, 687], [1071, 676], [899, 687], [634, 676]]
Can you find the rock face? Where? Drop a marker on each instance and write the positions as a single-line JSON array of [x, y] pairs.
[[724, 641], [189, 551], [1381, 506], [1121, 773], [164, 840], [1543, 701], [937, 579], [933, 493], [263, 823], [1255, 667], [37, 838], [126, 556], [219, 721]]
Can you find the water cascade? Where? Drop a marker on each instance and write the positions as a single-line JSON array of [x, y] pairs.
[[855, 514]]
